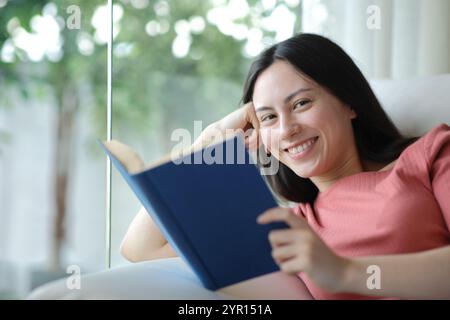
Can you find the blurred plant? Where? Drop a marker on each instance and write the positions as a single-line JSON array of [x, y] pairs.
[[38, 51]]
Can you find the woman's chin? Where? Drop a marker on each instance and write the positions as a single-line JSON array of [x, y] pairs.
[[305, 170], [304, 173]]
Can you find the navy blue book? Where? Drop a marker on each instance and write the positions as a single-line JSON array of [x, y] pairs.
[[206, 205]]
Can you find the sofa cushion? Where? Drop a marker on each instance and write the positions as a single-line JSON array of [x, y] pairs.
[[415, 105]]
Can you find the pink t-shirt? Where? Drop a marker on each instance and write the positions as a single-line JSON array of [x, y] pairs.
[[401, 210]]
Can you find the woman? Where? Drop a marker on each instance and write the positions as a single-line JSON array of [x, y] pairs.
[[364, 190], [373, 217]]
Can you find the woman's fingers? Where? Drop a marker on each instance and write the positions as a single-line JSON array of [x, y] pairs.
[[251, 115], [283, 236], [251, 129], [282, 215], [252, 140], [293, 266], [281, 254]]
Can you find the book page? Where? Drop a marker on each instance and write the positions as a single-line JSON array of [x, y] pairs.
[[126, 156], [132, 162]]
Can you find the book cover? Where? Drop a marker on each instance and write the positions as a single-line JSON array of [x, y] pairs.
[[206, 205]]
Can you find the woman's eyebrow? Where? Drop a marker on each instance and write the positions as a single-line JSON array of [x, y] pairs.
[[263, 108], [293, 94], [286, 100]]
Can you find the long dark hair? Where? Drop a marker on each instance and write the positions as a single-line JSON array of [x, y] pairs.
[[377, 138]]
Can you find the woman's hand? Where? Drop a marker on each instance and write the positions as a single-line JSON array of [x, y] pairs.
[[299, 249], [243, 119]]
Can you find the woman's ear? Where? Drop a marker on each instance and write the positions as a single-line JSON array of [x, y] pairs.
[[353, 114]]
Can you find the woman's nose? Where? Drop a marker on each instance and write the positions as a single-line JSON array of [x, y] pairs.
[[288, 127]]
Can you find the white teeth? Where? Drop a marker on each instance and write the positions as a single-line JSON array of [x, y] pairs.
[[301, 148]]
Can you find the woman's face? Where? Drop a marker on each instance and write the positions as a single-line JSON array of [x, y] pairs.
[[302, 124]]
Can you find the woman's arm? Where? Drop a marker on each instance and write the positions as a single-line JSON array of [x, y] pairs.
[[143, 240], [422, 275]]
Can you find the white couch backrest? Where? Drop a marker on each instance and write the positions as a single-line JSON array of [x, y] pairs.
[[415, 105]]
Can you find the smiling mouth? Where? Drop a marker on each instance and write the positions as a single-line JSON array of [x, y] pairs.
[[302, 148]]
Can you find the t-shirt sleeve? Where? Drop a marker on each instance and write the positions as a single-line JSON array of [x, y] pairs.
[[437, 148]]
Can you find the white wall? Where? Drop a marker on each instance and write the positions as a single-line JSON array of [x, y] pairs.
[[413, 38]]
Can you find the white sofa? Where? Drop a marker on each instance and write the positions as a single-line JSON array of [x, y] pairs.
[[415, 105]]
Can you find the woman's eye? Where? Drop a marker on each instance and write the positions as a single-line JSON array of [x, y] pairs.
[[267, 117], [301, 103]]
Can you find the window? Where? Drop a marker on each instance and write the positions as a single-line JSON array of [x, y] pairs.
[[174, 62]]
